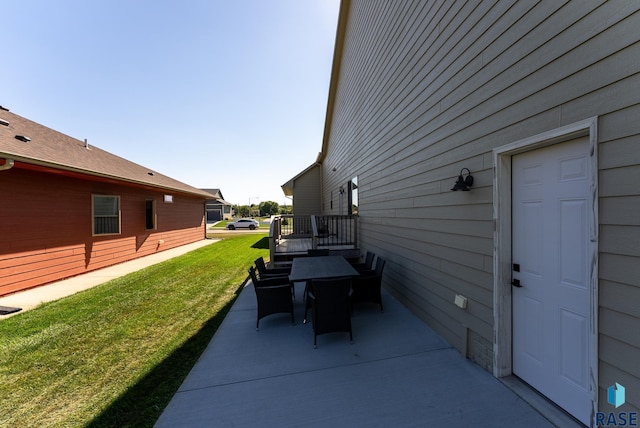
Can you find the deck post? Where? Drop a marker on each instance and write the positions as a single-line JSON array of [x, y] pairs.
[[314, 232]]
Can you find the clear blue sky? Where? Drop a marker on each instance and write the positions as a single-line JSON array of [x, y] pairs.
[[217, 94]]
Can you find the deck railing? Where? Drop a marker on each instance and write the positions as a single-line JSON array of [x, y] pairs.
[[289, 226], [333, 230], [320, 231]]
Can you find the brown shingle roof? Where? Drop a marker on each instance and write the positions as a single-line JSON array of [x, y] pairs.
[[51, 148]]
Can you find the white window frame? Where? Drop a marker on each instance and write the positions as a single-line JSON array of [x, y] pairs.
[[94, 197]]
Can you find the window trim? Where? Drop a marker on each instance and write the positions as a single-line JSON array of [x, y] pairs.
[[352, 189], [93, 215]]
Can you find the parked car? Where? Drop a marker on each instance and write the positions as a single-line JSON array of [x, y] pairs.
[[243, 223]]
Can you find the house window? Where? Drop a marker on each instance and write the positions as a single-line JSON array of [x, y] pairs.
[[353, 196], [150, 214], [106, 214]]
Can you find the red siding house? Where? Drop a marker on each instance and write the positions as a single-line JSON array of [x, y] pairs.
[[67, 208]]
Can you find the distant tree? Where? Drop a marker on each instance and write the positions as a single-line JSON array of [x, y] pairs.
[[241, 210], [269, 208], [286, 209]]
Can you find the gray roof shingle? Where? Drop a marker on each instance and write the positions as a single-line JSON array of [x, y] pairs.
[[47, 147]]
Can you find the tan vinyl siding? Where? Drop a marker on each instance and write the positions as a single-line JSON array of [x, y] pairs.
[[427, 88], [306, 193], [619, 253]]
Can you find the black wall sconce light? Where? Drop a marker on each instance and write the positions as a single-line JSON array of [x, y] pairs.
[[463, 183]]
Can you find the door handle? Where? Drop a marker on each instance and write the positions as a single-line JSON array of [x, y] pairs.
[[516, 283]]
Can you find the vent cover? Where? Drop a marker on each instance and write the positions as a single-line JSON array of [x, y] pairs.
[[23, 138]]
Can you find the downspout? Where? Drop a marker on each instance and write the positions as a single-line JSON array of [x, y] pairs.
[[8, 164]]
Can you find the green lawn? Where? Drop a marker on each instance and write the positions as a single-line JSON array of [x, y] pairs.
[[114, 355]]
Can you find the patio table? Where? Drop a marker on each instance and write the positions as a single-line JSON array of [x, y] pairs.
[[308, 268], [319, 267]]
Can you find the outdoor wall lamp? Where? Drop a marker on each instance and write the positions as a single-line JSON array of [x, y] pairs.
[[463, 183]]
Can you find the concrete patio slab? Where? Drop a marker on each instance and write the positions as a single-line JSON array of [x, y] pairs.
[[397, 372]]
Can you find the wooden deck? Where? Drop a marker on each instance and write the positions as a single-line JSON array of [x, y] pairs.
[[294, 246], [293, 236], [301, 245]]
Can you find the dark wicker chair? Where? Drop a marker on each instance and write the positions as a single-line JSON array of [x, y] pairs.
[[368, 262], [273, 296], [330, 306], [264, 271], [367, 286]]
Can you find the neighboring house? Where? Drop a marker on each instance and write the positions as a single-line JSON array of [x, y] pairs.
[[217, 208], [67, 208], [540, 101]]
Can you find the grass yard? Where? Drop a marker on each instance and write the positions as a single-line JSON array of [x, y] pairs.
[[114, 355], [222, 224]]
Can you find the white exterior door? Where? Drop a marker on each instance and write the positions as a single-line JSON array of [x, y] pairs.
[[550, 255]]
